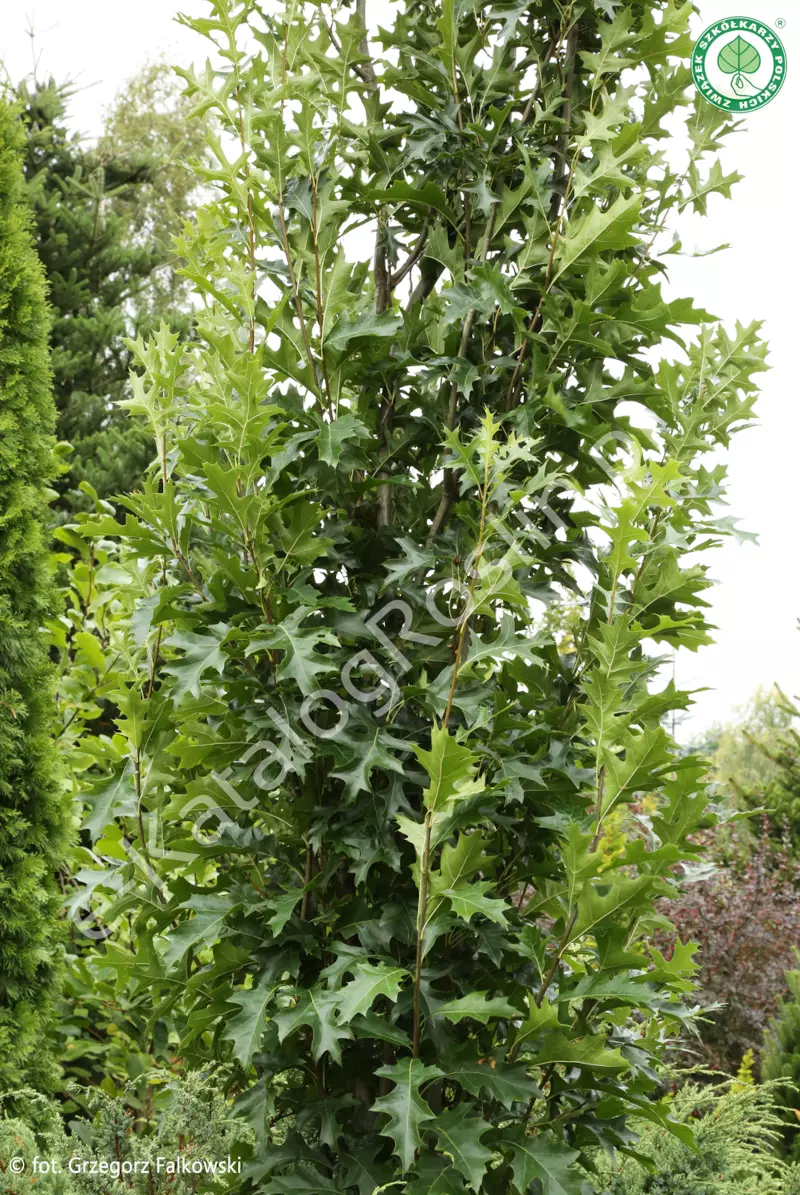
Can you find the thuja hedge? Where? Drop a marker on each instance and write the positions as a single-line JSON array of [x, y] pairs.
[[346, 821], [33, 815]]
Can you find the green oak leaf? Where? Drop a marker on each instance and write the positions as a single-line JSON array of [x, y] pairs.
[[477, 1006], [246, 1028], [540, 1016], [202, 652], [203, 929], [459, 1136], [370, 1024], [304, 1181], [458, 863], [113, 796], [451, 768], [333, 436], [368, 325], [427, 195], [284, 906], [365, 755], [483, 652], [541, 1157], [401, 570], [344, 962], [362, 1170], [298, 534], [434, 1176], [592, 1051], [490, 1074], [358, 996], [598, 910], [597, 231], [405, 1107], [469, 899], [300, 660], [318, 1009]]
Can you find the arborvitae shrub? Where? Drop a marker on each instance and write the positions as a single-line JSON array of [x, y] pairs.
[[33, 815]]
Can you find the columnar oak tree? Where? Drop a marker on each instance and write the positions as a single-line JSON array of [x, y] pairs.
[[33, 816], [347, 822]]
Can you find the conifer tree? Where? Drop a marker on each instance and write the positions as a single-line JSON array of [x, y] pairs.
[[103, 218], [33, 816], [779, 794], [780, 1062]]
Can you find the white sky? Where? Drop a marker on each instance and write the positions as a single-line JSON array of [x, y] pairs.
[[99, 43]]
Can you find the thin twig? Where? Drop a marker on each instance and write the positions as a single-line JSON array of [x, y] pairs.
[[422, 908], [535, 320], [405, 269], [422, 913], [287, 252], [320, 305], [430, 274], [449, 479], [532, 98], [306, 883], [298, 303]]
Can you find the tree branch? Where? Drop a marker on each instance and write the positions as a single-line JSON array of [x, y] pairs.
[[430, 273], [405, 269]]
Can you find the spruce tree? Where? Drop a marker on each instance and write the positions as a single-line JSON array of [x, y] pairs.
[[103, 218], [33, 816], [780, 1062]]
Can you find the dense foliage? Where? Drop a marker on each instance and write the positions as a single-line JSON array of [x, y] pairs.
[[780, 791], [735, 1128], [33, 816], [344, 793], [110, 1150], [745, 917], [103, 215], [739, 749]]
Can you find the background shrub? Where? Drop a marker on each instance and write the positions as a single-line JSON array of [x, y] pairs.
[[746, 918], [735, 1127], [193, 1123]]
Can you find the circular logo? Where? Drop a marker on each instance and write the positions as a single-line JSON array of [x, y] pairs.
[[738, 64]]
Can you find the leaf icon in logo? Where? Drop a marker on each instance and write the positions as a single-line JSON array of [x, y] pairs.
[[739, 56]]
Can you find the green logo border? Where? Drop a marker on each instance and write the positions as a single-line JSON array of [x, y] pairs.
[[728, 103]]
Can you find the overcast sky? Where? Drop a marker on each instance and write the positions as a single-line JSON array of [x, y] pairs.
[[99, 43]]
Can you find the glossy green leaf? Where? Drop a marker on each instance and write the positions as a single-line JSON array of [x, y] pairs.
[[370, 982], [404, 1106], [459, 1136], [540, 1157], [477, 1006]]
